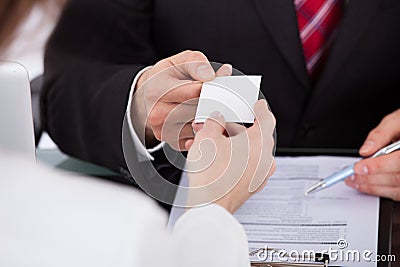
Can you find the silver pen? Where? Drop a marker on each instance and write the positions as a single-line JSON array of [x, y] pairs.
[[348, 171]]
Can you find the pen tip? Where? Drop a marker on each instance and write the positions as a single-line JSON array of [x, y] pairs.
[[315, 187]]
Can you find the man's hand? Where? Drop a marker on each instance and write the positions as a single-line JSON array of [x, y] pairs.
[[229, 170], [166, 98], [379, 176]]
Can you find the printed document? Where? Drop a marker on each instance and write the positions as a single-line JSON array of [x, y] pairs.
[[282, 224], [337, 220]]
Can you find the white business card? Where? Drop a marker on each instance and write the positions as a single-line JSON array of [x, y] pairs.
[[233, 96]]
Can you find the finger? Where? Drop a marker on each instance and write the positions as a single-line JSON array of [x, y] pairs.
[[215, 124], [197, 126], [262, 156], [182, 144], [179, 145], [158, 114], [272, 169], [379, 190], [172, 132], [193, 64], [265, 180], [261, 187], [264, 119], [177, 132], [387, 131], [392, 179], [170, 113], [384, 164], [262, 129], [182, 91], [234, 129], [188, 144], [224, 70]]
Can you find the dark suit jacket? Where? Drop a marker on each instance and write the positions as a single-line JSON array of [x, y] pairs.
[[99, 46]]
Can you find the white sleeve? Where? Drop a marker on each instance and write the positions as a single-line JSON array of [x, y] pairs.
[[210, 236], [143, 153], [104, 224]]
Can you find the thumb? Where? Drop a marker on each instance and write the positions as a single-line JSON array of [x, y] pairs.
[[387, 131], [214, 125], [264, 119], [194, 64]]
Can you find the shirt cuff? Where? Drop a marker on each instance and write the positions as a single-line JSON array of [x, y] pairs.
[[143, 153], [213, 235]]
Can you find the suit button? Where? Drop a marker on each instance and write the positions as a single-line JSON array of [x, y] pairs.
[[125, 173], [307, 130]]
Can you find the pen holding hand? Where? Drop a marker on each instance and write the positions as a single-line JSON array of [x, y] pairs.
[[381, 175]]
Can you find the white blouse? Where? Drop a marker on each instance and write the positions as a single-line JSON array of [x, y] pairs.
[[60, 219]]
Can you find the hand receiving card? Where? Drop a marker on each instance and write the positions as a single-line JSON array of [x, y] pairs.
[[233, 96]]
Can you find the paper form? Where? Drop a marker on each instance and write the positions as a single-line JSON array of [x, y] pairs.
[[282, 218]]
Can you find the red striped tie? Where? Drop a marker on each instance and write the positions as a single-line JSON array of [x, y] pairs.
[[317, 22]]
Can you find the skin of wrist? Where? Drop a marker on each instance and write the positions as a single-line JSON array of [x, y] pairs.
[[144, 132], [142, 79]]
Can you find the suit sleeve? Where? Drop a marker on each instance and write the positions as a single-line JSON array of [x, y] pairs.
[[91, 59]]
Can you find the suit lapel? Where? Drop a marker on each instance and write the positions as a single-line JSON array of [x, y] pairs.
[[280, 19], [355, 22]]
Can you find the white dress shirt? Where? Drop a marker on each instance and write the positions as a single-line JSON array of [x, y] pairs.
[[142, 153]]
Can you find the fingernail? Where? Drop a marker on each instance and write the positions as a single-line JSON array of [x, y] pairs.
[[215, 115], [352, 178], [367, 146], [205, 72], [264, 102], [363, 170], [357, 186]]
